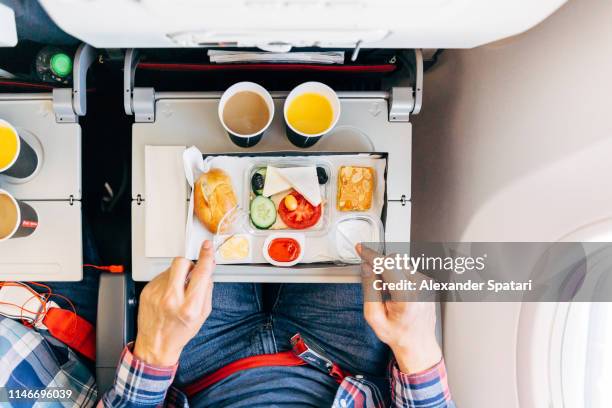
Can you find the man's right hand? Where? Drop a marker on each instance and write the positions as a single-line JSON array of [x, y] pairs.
[[173, 307], [408, 328]]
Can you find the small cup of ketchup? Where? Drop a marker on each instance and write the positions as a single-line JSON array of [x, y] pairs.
[[284, 249]]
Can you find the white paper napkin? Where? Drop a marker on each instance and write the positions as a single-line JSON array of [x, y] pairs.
[[165, 201]]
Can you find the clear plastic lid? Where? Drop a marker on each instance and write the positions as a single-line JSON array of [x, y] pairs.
[[354, 229], [233, 242]]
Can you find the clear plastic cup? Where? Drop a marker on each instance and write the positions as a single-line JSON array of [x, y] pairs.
[[355, 229]]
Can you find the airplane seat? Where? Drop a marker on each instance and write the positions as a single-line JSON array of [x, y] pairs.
[[115, 324]]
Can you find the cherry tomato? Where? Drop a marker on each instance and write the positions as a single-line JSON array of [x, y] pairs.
[[304, 216], [290, 202]]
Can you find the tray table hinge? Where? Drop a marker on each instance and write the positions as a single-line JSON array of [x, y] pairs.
[[418, 86], [401, 104], [406, 100], [62, 106], [139, 102], [143, 102], [70, 103]]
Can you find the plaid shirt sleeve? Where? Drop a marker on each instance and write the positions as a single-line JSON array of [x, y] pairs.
[[427, 389], [358, 392], [138, 384], [31, 361]]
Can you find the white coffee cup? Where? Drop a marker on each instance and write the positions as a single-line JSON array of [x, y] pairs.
[[17, 218], [246, 140]]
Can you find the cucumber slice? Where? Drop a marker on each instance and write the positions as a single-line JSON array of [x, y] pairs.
[[263, 212]]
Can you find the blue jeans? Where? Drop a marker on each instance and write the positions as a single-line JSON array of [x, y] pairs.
[[239, 326]]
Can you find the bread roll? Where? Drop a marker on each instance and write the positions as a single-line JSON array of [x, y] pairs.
[[213, 197]]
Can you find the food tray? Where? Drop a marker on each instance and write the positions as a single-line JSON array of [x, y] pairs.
[[320, 246], [323, 225]]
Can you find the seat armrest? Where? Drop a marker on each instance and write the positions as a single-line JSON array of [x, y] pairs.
[[115, 325]]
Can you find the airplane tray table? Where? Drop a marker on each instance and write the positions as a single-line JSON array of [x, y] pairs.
[[60, 174], [53, 252], [186, 121]]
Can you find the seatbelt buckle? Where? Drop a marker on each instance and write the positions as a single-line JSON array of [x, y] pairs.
[[19, 303], [307, 350], [40, 324]]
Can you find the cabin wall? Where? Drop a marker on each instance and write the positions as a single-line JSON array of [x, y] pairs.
[[514, 143], [497, 115]]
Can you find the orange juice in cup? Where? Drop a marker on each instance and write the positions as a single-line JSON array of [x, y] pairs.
[[17, 158], [9, 147], [311, 110]]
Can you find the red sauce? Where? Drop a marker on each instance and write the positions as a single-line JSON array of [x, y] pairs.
[[284, 249]]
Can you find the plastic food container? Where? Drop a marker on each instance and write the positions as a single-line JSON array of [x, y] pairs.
[[323, 225], [301, 240], [233, 225], [229, 248], [354, 229]]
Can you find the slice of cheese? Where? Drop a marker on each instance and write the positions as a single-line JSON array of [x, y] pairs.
[[304, 180], [274, 183], [235, 248]]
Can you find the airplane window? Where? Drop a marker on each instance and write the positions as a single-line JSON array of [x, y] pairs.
[[587, 353], [598, 370], [586, 367]]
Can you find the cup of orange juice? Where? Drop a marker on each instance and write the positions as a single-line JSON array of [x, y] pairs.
[[311, 110], [17, 158]]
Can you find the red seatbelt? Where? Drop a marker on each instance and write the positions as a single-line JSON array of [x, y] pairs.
[[301, 354], [19, 301], [72, 330], [286, 358]]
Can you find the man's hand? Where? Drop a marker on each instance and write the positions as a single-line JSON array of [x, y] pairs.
[[173, 308], [408, 328]]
